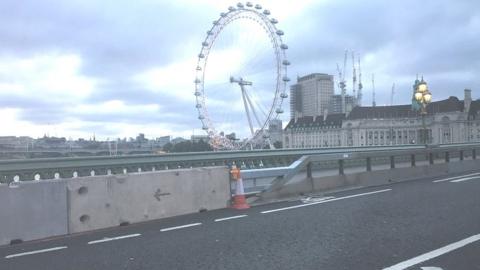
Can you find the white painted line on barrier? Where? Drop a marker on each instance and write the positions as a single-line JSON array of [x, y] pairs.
[[464, 179], [455, 177], [106, 239], [34, 252], [228, 218], [331, 200], [180, 227], [435, 253]]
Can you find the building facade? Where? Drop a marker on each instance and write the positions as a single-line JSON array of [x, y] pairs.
[[275, 130], [311, 95], [447, 121]]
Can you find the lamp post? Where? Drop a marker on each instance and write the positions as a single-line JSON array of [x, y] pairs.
[[423, 97]]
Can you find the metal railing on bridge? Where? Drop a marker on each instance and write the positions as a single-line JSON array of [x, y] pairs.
[[328, 164], [261, 161]]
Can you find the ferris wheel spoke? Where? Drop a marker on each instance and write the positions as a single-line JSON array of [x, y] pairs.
[[259, 106]]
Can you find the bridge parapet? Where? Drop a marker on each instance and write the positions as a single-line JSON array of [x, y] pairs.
[[56, 168], [350, 162]]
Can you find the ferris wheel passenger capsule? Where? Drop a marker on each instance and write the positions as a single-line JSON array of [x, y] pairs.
[[198, 106], [282, 95], [284, 47], [279, 32], [223, 14], [279, 110], [201, 117], [197, 93], [201, 55], [249, 4], [273, 20], [286, 62], [205, 44], [204, 127], [209, 32], [266, 12], [215, 22], [257, 6], [286, 79], [197, 80], [231, 8], [240, 5], [199, 68]]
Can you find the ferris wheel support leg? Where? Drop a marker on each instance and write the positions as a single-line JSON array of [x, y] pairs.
[[246, 109], [253, 110]]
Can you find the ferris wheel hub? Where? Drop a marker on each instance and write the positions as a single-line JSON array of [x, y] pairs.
[[240, 81]]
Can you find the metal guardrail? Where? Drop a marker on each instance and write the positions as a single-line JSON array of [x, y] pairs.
[[281, 175], [51, 168]]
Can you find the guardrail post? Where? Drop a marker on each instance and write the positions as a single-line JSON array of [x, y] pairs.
[[447, 157], [474, 154], [412, 159], [392, 162], [461, 154], [369, 164], [309, 170], [430, 158], [340, 167]]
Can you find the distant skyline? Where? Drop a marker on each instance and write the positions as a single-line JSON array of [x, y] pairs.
[[119, 68]]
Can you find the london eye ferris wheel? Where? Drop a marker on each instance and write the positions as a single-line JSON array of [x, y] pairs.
[[241, 77]]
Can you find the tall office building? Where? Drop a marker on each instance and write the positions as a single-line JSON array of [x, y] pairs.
[[311, 95], [335, 105]]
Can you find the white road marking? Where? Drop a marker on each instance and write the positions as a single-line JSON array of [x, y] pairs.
[[464, 179], [455, 177], [431, 268], [435, 253], [106, 239], [34, 252], [228, 218], [331, 200], [180, 227], [313, 199]]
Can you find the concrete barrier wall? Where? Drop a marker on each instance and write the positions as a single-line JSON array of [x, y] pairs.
[[40, 209], [32, 210], [107, 201], [374, 178]]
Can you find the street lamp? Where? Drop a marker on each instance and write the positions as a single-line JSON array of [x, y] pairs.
[[423, 97]]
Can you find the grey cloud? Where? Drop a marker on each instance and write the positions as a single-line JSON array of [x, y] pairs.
[[117, 39]]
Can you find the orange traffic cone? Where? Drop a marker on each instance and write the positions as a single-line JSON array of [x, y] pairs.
[[239, 201]]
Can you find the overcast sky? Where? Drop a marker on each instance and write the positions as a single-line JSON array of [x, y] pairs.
[[118, 68]]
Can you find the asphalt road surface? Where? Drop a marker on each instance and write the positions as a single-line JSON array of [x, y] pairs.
[[429, 224]]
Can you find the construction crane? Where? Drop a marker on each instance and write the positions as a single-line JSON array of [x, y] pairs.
[[392, 94], [354, 76], [360, 85], [374, 104], [342, 84]]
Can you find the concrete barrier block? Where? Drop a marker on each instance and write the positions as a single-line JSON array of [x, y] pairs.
[[32, 210], [107, 201]]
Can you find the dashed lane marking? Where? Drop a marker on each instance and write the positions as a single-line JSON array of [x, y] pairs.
[[455, 177], [180, 227], [435, 253], [326, 201], [464, 179], [107, 239], [35, 252], [228, 218]]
